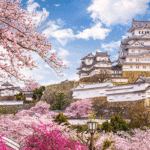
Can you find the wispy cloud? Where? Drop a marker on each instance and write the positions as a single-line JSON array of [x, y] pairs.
[[111, 46], [95, 32], [57, 5]]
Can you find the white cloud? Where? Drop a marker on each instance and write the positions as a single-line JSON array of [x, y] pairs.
[[112, 12], [63, 52], [73, 77], [60, 22], [41, 15], [62, 35], [67, 63], [96, 32], [30, 1], [50, 82], [111, 46], [57, 5]]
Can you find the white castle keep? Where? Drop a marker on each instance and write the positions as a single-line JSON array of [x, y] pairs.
[[134, 55]]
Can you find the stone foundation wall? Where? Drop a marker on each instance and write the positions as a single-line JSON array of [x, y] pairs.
[[6, 109], [134, 75], [107, 109]]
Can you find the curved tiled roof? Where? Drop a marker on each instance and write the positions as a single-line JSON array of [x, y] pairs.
[[6, 84]]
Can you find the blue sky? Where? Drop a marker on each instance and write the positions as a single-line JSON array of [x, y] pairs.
[[78, 27]]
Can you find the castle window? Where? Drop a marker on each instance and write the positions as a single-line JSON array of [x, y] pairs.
[[142, 32], [139, 32], [144, 67], [130, 59], [133, 51], [137, 67], [147, 31], [137, 59], [139, 51], [131, 67]]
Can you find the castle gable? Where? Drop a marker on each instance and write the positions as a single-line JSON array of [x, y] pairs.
[[146, 36], [136, 44]]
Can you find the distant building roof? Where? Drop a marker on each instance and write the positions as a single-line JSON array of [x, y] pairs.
[[6, 84], [117, 67], [143, 79], [88, 56], [139, 24], [101, 54]]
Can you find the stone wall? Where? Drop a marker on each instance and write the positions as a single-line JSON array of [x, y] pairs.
[[134, 75], [107, 109], [6, 109]]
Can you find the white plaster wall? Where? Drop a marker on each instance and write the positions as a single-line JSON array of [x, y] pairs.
[[88, 61], [89, 93], [136, 32], [148, 93], [101, 58], [136, 51], [128, 68], [119, 80], [126, 97]]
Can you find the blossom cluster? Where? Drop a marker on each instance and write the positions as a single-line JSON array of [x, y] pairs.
[[19, 38], [80, 108]]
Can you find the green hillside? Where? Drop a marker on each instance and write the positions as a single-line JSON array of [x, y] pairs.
[[52, 90]]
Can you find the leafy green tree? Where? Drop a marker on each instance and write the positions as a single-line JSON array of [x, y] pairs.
[[60, 102], [21, 96], [116, 123], [60, 118], [38, 92]]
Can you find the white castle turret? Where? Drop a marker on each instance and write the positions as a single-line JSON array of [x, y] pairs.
[[134, 52]]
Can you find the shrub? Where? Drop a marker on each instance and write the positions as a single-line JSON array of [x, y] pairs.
[[21, 96], [60, 118], [80, 128], [116, 123], [106, 126], [107, 144]]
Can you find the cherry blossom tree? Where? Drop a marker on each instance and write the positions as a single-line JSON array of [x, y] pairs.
[[81, 108], [30, 86], [45, 138], [19, 37]]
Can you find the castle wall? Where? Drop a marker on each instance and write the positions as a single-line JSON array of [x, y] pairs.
[[134, 75]]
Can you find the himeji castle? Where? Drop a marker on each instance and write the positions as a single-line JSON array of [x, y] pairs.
[[133, 61]]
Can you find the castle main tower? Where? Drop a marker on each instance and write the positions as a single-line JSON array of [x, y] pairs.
[[134, 54]]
